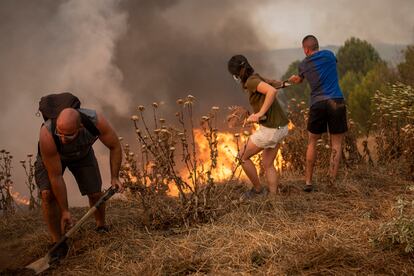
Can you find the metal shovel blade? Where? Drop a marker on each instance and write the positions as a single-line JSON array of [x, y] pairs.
[[44, 263], [40, 265]]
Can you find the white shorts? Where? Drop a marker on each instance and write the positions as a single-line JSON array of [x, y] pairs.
[[266, 137]]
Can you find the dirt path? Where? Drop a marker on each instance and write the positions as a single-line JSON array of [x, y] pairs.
[[11, 255]]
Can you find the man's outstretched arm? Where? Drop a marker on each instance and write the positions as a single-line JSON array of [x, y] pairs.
[[295, 79], [109, 138], [53, 165]]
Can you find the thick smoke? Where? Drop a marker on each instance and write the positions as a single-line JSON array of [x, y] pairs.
[[176, 48], [55, 46], [114, 55]]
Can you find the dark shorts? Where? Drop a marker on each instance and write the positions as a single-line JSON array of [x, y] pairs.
[[328, 115], [86, 172]]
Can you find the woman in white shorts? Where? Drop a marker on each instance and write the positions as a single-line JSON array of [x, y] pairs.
[[271, 118]]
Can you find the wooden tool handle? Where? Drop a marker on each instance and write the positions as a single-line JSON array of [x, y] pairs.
[[107, 195]]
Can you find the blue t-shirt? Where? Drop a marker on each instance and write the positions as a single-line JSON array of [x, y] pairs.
[[320, 71]]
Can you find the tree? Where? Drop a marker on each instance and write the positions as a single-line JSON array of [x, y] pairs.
[[357, 56], [349, 81], [360, 98], [406, 68]]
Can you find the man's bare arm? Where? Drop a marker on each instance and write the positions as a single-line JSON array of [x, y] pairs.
[[295, 79], [109, 138], [51, 160], [53, 165]]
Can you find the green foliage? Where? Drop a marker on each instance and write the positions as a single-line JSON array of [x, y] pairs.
[[393, 122], [359, 99], [300, 92], [348, 82], [400, 230], [356, 55], [406, 68]]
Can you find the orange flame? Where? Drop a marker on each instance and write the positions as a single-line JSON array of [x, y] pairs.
[[228, 146], [226, 159], [227, 152], [132, 178], [19, 199]]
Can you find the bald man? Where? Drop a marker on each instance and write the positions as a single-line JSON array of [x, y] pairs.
[[75, 152]]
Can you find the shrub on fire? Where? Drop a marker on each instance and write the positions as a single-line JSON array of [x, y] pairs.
[[167, 163]]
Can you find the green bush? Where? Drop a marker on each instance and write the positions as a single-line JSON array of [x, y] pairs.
[[400, 230]]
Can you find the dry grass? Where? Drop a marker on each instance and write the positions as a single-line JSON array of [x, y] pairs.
[[323, 233], [349, 229]]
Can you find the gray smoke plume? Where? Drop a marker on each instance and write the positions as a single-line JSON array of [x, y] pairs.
[[175, 48], [114, 55], [167, 54], [55, 46], [118, 54]]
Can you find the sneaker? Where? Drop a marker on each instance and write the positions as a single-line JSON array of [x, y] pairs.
[[308, 188], [252, 193], [60, 252], [102, 229]]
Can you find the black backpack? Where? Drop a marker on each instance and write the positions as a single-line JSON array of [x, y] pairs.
[[51, 105]]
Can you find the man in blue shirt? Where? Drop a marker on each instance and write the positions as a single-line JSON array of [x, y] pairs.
[[327, 110]]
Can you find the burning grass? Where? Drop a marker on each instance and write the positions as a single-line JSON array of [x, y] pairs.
[[355, 227], [188, 161], [332, 232]]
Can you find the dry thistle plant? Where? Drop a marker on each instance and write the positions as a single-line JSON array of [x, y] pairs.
[[209, 126], [28, 166], [294, 147], [167, 163], [350, 150], [392, 126], [7, 204], [237, 119], [167, 160]]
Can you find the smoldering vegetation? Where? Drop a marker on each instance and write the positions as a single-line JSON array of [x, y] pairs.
[[362, 224]]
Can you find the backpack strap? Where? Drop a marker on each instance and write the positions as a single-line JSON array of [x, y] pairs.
[[89, 125], [55, 137]]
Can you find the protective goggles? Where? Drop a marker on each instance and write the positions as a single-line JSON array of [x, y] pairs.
[[67, 136]]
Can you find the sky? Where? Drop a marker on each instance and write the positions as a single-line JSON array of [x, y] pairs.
[[118, 54], [285, 23]]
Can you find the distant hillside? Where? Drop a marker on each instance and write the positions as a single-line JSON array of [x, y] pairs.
[[282, 58]]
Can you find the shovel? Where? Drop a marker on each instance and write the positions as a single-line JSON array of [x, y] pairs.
[[44, 263]]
